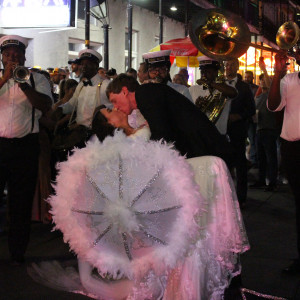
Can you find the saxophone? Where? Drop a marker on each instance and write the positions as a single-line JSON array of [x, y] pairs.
[[213, 104]]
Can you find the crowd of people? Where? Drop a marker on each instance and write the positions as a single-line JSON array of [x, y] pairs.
[[44, 117]]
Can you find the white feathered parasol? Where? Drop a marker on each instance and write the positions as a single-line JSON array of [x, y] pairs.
[[126, 206]]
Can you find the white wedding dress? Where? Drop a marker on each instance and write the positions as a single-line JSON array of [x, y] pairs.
[[207, 267]]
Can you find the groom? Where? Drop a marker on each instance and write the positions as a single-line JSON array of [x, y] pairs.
[[170, 116]]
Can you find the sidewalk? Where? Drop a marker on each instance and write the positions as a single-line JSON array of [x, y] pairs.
[[269, 219], [270, 223]]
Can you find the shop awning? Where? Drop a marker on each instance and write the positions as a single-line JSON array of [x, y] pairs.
[[183, 50]]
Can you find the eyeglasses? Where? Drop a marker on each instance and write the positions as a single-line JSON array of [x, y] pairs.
[[158, 70]]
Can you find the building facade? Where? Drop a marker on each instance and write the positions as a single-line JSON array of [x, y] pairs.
[[54, 47]]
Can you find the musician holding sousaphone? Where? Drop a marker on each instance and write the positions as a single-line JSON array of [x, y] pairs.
[[23, 100], [224, 36], [211, 95]]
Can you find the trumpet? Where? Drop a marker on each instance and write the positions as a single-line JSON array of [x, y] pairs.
[[21, 74]]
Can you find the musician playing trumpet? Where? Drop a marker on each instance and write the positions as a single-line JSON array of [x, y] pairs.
[[21, 106], [211, 95]]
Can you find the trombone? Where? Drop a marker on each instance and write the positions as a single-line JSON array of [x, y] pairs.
[[223, 36]]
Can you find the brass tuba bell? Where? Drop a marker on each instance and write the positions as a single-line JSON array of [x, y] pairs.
[[216, 34], [223, 35]]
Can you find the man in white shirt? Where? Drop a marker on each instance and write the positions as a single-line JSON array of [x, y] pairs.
[[209, 93], [21, 106], [158, 64], [89, 93], [284, 94]]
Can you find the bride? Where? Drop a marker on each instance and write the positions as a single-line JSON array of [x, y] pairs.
[[216, 260], [213, 259]]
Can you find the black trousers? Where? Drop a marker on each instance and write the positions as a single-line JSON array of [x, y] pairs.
[[290, 156], [18, 167], [237, 133]]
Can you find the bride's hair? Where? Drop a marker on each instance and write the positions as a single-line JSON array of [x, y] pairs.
[[100, 125]]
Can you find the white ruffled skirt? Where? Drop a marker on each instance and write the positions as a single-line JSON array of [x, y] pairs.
[[213, 259]]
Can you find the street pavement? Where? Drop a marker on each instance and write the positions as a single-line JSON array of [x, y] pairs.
[[270, 222]]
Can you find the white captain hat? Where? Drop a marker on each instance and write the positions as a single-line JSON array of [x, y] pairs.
[[13, 41], [162, 56], [90, 54], [205, 61]]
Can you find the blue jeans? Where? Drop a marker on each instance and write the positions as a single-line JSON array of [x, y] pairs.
[[267, 155]]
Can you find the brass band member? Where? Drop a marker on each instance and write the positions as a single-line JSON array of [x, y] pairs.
[[21, 106], [211, 96], [159, 65]]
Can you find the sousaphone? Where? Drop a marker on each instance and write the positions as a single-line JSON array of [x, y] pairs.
[[223, 35]]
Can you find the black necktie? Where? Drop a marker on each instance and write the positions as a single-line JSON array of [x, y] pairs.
[[87, 82]]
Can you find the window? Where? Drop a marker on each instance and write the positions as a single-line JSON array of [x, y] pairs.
[[81, 9], [81, 12], [134, 48]]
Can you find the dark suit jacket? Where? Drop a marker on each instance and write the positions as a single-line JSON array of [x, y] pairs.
[[244, 105], [174, 118]]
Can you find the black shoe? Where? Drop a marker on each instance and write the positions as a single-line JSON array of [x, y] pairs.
[[293, 269], [257, 184]]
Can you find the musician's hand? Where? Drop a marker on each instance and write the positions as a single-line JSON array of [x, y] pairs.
[[8, 71], [280, 61], [203, 81]]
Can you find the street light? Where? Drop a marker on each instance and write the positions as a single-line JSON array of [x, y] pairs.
[[99, 10]]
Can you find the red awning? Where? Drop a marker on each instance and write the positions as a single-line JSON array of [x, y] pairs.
[[180, 47]]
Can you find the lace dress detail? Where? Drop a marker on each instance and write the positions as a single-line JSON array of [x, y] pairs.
[[209, 268]]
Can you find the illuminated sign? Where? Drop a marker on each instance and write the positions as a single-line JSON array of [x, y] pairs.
[[37, 13]]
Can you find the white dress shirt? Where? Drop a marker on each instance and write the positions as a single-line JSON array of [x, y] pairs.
[[16, 110], [290, 90], [180, 89], [86, 99], [74, 76]]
